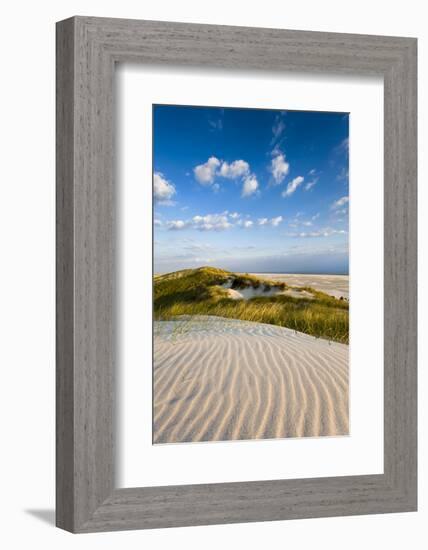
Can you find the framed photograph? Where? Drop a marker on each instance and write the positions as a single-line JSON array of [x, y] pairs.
[[264, 354], [236, 274]]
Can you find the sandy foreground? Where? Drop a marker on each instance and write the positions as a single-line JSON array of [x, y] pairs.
[[335, 285], [225, 379]]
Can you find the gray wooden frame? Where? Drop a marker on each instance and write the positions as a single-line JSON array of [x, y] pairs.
[[87, 50]]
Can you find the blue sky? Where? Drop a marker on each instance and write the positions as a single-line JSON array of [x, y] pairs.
[[251, 190]]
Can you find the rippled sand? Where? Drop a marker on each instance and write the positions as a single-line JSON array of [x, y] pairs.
[[224, 379]]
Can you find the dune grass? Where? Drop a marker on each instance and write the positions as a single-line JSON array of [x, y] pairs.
[[197, 292]]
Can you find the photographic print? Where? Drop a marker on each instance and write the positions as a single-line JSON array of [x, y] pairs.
[[250, 275]]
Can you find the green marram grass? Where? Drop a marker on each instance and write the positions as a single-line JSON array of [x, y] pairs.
[[198, 292]]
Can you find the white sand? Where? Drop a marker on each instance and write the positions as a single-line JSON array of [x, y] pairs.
[[234, 294], [335, 285], [251, 292], [224, 379]]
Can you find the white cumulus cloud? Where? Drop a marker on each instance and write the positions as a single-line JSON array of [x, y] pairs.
[[220, 222], [205, 173], [209, 222], [236, 169], [250, 186], [176, 225], [239, 169], [163, 190]]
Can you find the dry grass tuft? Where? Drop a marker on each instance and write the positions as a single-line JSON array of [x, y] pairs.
[[197, 292]]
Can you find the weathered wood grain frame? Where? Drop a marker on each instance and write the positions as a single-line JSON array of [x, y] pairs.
[[87, 50]]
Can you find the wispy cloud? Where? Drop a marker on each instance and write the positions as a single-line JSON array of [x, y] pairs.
[[327, 232], [343, 147], [292, 186], [340, 202], [298, 221], [198, 246], [314, 177], [341, 212], [311, 184], [278, 127], [279, 168], [273, 221], [343, 175], [216, 124]]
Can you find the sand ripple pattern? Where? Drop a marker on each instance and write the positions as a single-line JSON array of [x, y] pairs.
[[221, 379]]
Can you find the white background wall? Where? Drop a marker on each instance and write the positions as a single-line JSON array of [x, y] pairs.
[[27, 272]]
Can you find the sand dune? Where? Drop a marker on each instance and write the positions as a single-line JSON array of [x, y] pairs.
[[260, 291], [335, 285], [224, 379]]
